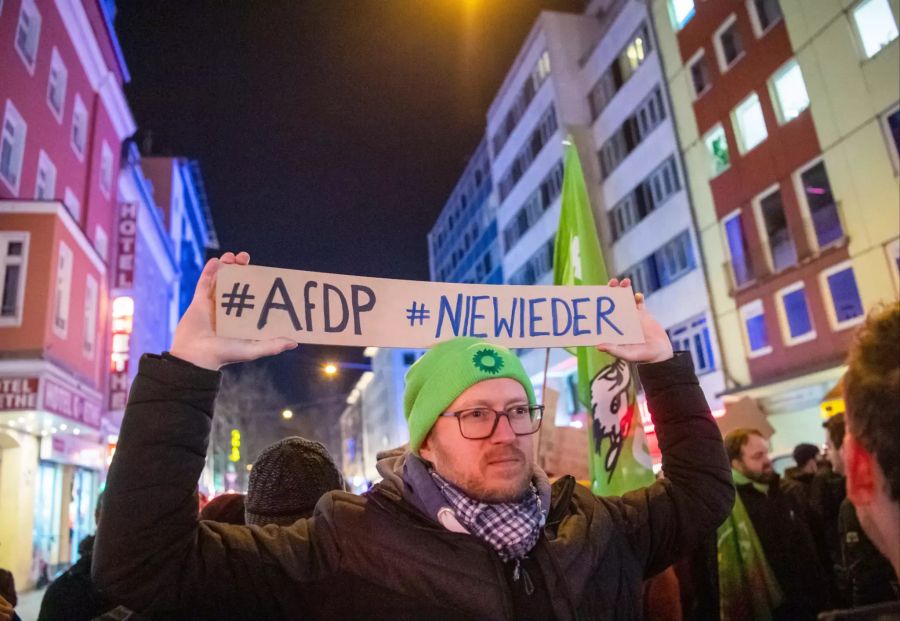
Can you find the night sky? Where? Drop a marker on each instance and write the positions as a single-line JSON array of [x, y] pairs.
[[329, 132]]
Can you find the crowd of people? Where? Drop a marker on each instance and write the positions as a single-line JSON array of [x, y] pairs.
[[464, 525]]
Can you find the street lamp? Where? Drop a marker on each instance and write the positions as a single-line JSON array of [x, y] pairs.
[[287, 414], [331, 368]]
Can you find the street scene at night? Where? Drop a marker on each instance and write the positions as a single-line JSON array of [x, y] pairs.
[[450, 309]]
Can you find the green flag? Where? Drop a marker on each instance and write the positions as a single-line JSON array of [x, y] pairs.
[[619, 460], [748, 589]]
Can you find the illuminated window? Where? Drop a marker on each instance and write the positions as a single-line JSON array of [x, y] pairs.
[[717, 150], [794, 312], [56, 85], [634, 54], [45, 182], [755, 331], [741, 268], [749, 123], [845, 307], [12, 147], [13, 264], [681, 12], [789, 92], [693, 336], [28, 32], [622, 68], [876, 25]]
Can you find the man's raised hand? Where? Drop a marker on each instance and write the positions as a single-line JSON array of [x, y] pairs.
[[656, 346], [195, 338]]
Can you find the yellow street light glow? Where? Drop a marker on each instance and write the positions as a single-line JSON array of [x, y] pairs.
[[330, 368], [287, 414]]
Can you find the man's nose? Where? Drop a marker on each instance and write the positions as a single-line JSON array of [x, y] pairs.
[[504, 433]]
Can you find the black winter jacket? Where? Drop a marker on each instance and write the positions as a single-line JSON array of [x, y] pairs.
[[376, 556], [72, 596]]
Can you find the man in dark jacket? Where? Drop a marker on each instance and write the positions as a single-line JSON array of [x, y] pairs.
[[780, 524], [72, 596], [828, 489], [463, 526], [870, 578], [797, 480]]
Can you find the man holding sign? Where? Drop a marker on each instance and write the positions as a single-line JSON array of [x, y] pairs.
[[463, 526]]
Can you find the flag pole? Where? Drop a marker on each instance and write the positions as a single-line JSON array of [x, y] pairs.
[[544, 386], [540, 433]]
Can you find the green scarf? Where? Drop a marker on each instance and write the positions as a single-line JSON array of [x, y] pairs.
[[741, 479], [748, 590]]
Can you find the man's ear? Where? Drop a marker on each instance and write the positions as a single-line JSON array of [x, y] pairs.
[[425, 450], [736, 464], [860, 468]]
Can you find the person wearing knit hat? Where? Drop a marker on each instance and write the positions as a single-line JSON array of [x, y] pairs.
[[452, 403], [462, 525], [287, 480]]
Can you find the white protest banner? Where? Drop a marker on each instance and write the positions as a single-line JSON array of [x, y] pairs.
[[256, 302]]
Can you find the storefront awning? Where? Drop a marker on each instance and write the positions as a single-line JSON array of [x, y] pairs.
[[790, 394]]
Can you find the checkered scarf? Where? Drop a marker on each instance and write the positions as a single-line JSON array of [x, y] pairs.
[[511, 528]]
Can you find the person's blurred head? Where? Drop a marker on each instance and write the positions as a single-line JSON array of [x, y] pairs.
[[805, 455], [834, 440], [872, 440], [287, 480], [452, 399], [748, 452], [227, 508]]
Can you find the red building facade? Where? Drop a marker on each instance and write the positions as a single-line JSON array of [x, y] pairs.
[[793, 185], [64, 119], [758, 194], [777, 244]]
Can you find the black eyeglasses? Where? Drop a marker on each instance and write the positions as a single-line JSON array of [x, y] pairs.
[[481, 422]]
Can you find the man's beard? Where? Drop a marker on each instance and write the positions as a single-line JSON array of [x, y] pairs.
[[480, 492], [767, 477], [476, 488]]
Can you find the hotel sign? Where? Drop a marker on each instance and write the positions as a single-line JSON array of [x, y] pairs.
[[126, 239]]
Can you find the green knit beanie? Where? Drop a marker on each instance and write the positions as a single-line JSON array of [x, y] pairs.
[[448, 369]]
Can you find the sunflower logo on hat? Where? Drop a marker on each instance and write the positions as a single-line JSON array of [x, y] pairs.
[[488, 361]]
